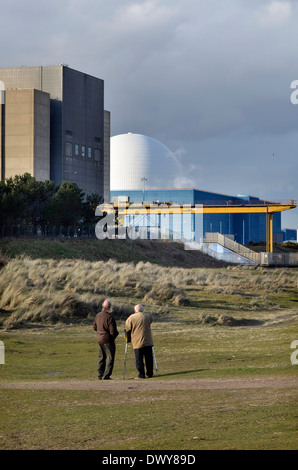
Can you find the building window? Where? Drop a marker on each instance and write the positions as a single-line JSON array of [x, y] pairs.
[[68, 149], [83, 151], [97, 155], [89, 152], [77, 150]]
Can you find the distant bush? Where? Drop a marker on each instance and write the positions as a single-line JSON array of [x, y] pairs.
[[166, 291], [3, 260], [26, 201], [293, 246]]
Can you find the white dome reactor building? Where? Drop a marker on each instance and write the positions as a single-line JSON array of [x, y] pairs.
[[135, 157]]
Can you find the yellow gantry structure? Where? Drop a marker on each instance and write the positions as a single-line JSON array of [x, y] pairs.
[[267, 208], [123, 208]]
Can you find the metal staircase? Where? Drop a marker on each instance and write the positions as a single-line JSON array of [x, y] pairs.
[[228, 243]]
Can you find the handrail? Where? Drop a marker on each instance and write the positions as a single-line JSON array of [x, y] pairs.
[[230, 244]]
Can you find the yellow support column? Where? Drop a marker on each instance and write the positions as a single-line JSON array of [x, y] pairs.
[[267, 233], [271, 232]]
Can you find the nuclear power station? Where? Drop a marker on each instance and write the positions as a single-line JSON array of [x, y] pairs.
[[53, 125]]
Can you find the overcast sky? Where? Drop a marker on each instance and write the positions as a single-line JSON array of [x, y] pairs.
[[210, 79]]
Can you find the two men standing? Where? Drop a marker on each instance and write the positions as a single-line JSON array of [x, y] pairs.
[[138, 331]]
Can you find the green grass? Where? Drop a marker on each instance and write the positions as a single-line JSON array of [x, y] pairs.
[[188, 420], [123, 251], [47, 306], [184, 349], [260, 418]]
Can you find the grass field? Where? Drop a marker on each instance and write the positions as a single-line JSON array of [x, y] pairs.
[[222, 324], [129, 419]]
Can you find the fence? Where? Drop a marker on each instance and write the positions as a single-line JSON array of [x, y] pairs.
[[279, 259], [85, 231], [39, 231]]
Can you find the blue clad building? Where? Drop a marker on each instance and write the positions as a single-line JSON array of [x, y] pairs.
[[244, 227], [145, 170]]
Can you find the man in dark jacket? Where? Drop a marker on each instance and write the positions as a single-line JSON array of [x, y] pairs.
[[106, 329]]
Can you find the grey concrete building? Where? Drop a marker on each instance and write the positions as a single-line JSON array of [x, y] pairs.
[[77, 147], [25, 132]]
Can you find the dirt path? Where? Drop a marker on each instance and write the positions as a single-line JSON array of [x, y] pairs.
[[157, 384]]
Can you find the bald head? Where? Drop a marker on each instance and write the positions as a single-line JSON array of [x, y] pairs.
[[138, 308], [107, 304]]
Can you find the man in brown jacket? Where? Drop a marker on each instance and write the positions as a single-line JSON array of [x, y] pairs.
[[106, 329], [138, 328]]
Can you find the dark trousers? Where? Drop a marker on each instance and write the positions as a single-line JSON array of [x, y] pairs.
[[141, 354], [106, 357]]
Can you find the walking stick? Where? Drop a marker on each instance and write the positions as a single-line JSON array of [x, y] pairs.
[[126, 345], [154, 359]]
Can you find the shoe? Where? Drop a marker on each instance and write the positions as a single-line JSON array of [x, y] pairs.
[[106, 378]]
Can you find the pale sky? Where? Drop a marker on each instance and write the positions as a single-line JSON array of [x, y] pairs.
[[210, 79]]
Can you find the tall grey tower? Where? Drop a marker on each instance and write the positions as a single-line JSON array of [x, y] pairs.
[[79, 128]]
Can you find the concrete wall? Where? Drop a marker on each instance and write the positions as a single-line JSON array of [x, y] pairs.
[[27, 130], [76, 123], [48, 79], [83, 126], [41, 135]]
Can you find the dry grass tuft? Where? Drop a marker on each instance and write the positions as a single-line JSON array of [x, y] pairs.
[[166, 292], [51, 291]]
